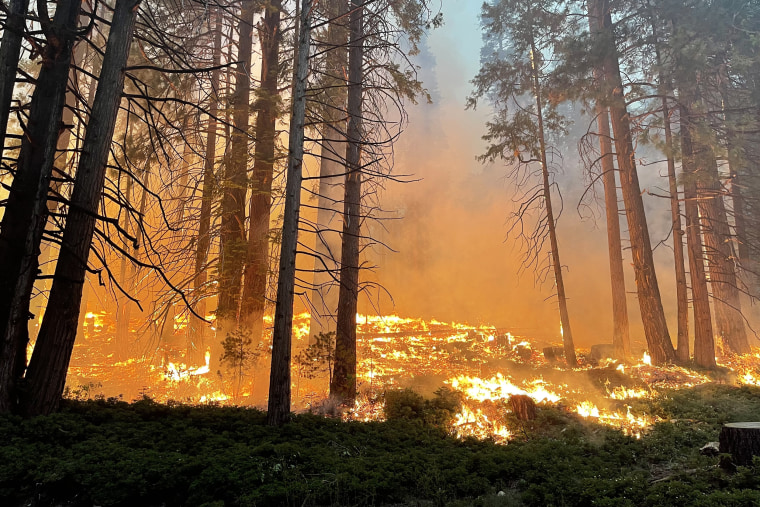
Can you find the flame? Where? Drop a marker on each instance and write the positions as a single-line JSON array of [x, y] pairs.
[[392, 352]]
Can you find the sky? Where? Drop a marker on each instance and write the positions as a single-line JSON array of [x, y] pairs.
[[453, 260]]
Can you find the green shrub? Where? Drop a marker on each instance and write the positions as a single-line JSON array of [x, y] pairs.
[[406, 404]]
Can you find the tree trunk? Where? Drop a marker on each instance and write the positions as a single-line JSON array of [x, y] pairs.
[[621, 339], [728, 316], [26, 210], [234, 185], [279, 377], [523, 407], [682, 296], [742, 440], [343, 386], [10, 49], [650, 302], [46, 375], [257, 264], [324, 295], [196, 332], [704, 346], [567, 335]]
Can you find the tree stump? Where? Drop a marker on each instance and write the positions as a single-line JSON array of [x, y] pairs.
[[523, 407], [742, 440]]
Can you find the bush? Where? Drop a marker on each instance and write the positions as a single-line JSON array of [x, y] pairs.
[[408, 405]]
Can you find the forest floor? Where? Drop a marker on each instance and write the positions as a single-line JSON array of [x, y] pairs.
[[110, 453]]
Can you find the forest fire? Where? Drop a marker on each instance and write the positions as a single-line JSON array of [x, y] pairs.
[[488, 366]]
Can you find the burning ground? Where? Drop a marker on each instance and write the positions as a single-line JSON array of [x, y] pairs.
[[486, 365]]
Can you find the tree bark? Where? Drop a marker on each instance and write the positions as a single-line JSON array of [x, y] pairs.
[[46, 375], [279, 377], [324, 295], [26, 210], [197, 327], [234, 184], [742, 440], [10, 49], [704, 346], [727, 304], [343, 385], [650, 303], [257, 264], [621, 339]]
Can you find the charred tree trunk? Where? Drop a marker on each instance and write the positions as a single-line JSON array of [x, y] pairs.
[[324, 296], [26, 210], [704, 345], [10, 49], [343, 385], [46, 375], [279, 377], [234, 185], [257, 264], [197, 328], [650, 303]]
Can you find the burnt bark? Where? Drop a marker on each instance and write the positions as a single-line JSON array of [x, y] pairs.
[[650, 303], [343, 384], [26, 210], [257, 263], [279, 377], [46, 375]]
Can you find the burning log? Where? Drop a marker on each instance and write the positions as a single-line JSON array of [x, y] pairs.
[[523, 407], [742, 440]]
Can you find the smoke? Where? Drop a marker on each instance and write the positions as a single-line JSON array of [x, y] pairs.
[[452, 259]]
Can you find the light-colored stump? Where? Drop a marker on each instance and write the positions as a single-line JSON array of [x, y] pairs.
[[742, 440]]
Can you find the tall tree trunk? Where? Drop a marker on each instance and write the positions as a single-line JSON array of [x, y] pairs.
[[682, 297], [621, 340], [26, 210], [650, 303], [234, 185], [324, 296], [46, 375], [10, 49], [343, 385], [197, 328], [257, 264], [279, 376], [727, 304], [704, 345]]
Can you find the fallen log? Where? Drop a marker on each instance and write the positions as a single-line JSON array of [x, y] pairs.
[[742, 440]]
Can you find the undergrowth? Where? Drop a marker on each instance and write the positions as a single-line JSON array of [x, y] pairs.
[[111, 453]]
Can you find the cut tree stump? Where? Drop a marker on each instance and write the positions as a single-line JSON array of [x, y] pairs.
[[523, 407], [742, 440]]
